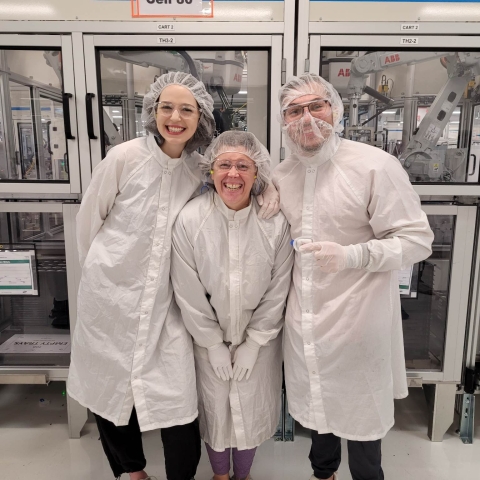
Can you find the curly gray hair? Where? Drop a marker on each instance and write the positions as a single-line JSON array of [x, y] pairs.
[[242, 142]]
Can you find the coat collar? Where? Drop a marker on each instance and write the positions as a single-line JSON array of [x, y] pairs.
[[162, 158], [231, 215]]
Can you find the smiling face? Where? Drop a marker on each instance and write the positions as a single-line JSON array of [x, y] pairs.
[[175, 128], [234, 186], [312, 130]]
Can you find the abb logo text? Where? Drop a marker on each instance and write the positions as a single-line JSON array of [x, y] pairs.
[[237, 77], [392, 58], [344, 72]]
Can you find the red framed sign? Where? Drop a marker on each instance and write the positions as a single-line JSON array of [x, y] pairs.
[[172, 8]]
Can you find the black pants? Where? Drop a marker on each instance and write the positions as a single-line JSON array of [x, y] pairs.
[[124, 450], [364, 458]]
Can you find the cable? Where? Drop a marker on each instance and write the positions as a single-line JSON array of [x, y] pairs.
[[190, 63]]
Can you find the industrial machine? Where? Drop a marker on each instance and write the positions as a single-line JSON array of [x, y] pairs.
[[422, 158]]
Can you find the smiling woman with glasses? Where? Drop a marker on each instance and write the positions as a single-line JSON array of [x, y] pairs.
[[231, 275]]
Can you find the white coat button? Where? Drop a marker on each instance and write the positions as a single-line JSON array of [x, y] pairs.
[[140, 344], [307, 279], [165, 172], [308, 343], [314, 373], [308, 311], [163, 208], [169, 173], [135, 377]]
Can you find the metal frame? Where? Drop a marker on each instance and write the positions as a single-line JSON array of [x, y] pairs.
[[467, 400], [145, 27], [77, 415], [78, 50], [462, 255], [390, 28], [472, 345], [73, 186], [275, 42]]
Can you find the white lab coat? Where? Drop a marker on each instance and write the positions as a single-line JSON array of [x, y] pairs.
[[130, 346], [343, 354], [231, 272]]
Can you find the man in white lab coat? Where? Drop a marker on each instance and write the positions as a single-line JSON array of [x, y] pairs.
[[356, 220]]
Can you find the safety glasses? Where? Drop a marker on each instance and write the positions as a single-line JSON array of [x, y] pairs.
[[166, 109], [319, 108], [241, 166]]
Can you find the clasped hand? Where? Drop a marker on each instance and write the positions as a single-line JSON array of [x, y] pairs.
[[243, 362]]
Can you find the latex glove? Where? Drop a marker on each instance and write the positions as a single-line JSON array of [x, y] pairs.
[[221, 361], [244, 360], [333, 258], [269, 200]]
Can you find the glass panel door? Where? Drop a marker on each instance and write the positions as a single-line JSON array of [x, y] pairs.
[[39, 151], [242, 73], [32, 136], [425, 308], [34, 329]]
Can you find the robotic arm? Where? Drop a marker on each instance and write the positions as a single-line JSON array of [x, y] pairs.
[[374, 62], [421, 157], [461, 67]]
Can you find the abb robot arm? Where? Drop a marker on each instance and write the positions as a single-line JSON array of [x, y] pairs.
[[422, 148]]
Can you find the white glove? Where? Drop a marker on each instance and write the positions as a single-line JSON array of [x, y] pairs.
[[221, 361], [333, 258], [269, 200], [244, 360]]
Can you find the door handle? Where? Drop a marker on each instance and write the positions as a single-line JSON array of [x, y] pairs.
[[89, 107], [474, 164], [66, 116]]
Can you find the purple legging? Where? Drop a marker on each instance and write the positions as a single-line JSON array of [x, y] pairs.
[[242, 461]]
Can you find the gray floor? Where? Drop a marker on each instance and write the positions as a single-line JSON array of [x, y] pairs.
[[34, 444]]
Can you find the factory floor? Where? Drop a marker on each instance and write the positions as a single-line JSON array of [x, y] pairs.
[[34, 444]]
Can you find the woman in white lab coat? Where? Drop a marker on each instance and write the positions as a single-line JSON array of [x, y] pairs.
[[129, 340], [231, 273]]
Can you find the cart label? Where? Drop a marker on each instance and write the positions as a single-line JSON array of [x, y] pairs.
[[409, 27], [409, 41], [166, 40], [166, 27]]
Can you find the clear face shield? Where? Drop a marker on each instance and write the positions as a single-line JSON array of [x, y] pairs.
[[308, 125], [311, 112]]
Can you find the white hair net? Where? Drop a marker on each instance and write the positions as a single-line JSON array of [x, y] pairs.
[[241, 142], [307, 135], [206, 123]]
